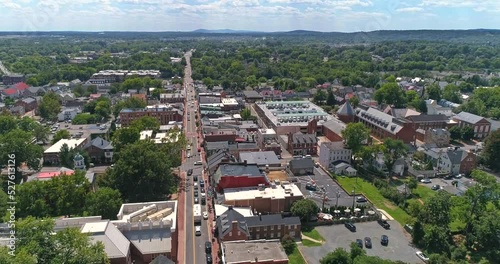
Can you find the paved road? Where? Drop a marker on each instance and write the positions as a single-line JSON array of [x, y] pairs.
[[194, 245], [331, 188]]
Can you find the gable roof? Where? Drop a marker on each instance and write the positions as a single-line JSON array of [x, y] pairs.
[[100, 143], [10, 91], [469, 118], [225, 222], [20, 86], [271, 219]]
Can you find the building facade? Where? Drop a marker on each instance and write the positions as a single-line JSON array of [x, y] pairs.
[[163, 113], [479, 124], [332, 152]]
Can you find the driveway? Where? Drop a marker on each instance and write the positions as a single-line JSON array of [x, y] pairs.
[[399, 247]]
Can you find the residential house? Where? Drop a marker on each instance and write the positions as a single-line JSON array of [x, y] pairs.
[[237, 175], [51, 155], [252, 96], [17, 110], [233, 226], [65, 97], [333, 152], [34, 91], [265, 200], [433, 108], [452, 160], [68, 114], [302, 144], [439, 137], [100, 150], [302, 166], [172, 98], [29, 104], [479, 124], [343, 168], [10, 93]]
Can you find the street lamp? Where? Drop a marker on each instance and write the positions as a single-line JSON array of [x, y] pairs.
[[337, 202], [353, 198]]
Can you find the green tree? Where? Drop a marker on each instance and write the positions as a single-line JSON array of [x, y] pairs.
[[356, 251], [418, 233], [84, 118], [330, 99], [452, 93], [434, 92], [436, 238], [304, 209], [491, 152], [246, 114], [288, 244], [49, 106], [104, 202], [339, 256], [455, 133], [467, 132], [143, 173], [16, 145], [394, 149], [61, 134], [355, 135], [124, 136], [354, 101], [146, 123], [320, 97], [438, 209], [390, 93]]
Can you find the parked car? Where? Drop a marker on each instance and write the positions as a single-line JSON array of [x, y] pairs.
[[368, 242], [449, 177], [195, 194], [195, 178], [435, 187], [426, 180], [197, 230], [350, 226], [205, 215], [311, 187], [384, 224], [361, 199], [458, 176], [190, 172], [196, 201], [422, 256], [208, 247], [384, 240], [359, 242], [209, 259]]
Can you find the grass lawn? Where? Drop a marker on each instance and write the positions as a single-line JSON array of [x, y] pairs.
[[312, 233], [423, 192], [309, 243], [296, 257], [373, 194]]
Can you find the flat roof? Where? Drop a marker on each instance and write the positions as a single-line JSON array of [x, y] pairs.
[[96, 227], [151, 241], [146, 134], [278, 192], [250, 251], [260, 158], [56, 148], [221, 209], [292, 113]]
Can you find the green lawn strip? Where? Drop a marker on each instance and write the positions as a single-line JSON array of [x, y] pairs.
[[312, 233], [423, 192], [373, 194], [308, 243], [296, 257]]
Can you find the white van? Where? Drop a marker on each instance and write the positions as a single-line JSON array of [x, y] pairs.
[[197, 230], [197, 163]]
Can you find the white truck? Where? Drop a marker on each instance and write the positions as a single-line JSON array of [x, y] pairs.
[[197, 216]]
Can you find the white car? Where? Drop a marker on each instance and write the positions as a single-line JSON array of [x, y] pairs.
[[197, 230], [422, 256], [205, 215], [426, 180]]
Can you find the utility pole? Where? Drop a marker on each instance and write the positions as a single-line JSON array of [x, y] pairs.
[[337, 202], [353, 197]]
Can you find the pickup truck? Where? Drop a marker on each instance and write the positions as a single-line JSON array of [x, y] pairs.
[[384, 224]]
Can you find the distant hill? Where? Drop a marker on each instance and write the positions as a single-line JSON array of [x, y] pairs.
[[223, 31]]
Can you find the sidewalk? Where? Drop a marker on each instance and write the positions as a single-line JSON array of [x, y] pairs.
[[181, 234]]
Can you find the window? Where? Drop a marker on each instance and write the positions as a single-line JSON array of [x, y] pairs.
[[292, 233], [272, 235], [292, 226], [279, 227], [239, 233], [272, 228], [230, 233]]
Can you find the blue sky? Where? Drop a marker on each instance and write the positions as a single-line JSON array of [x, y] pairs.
[[259, 15]]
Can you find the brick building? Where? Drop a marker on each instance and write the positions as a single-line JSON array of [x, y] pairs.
[[28, 104], [481, 126], [383, 125], [100, 151], [233, 226], [332, 130], [274, 199], [302, 144], [163, 113], [238, 175]]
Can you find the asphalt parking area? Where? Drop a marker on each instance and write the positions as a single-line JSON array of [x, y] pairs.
[[399, 247]]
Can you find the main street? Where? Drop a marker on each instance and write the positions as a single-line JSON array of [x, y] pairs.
[[194, 245]]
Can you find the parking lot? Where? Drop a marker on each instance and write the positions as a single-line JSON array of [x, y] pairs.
[[399, 247], [326, 186], [446, 184]]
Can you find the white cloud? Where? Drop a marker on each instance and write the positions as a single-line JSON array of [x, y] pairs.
[[409, 9], [9, 4], [476, 5]]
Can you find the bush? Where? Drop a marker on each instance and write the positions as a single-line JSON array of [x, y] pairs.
[[288, 244]]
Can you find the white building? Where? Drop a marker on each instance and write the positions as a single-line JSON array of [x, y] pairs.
[[68, 114], [331, 152], [433, 108]]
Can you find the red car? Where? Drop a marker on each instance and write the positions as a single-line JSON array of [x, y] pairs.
[[199, 149]]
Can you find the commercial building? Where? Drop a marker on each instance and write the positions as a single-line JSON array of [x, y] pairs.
[[254, 252], [10, 79], [333, 152], [238, 175], [167, 98], [291, 116], [302, 144], [273, 199], [106, 77], [479, 124], [301, 166], [261, 158], [163, 113]]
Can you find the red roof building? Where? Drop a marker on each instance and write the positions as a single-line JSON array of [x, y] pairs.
[[238, 175], [20, 86], [10, 91]]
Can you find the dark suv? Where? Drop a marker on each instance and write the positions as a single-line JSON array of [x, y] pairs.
[[351, 227], [384, 240], [190, 172], [384, 224], [209, 259]]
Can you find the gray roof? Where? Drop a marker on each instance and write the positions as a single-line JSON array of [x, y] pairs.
[[252, 94], [240, 170], [224, 222], [469, 118], [116, 245], [346, 109], [100, 143], [299, 138], [29, 100], [379, 119], [217, 145], [162, 260], [335, 125], [151, 241], [456, 156], [260, 158], [428, 118], [301, 163], [272, 219], [334, 145]]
